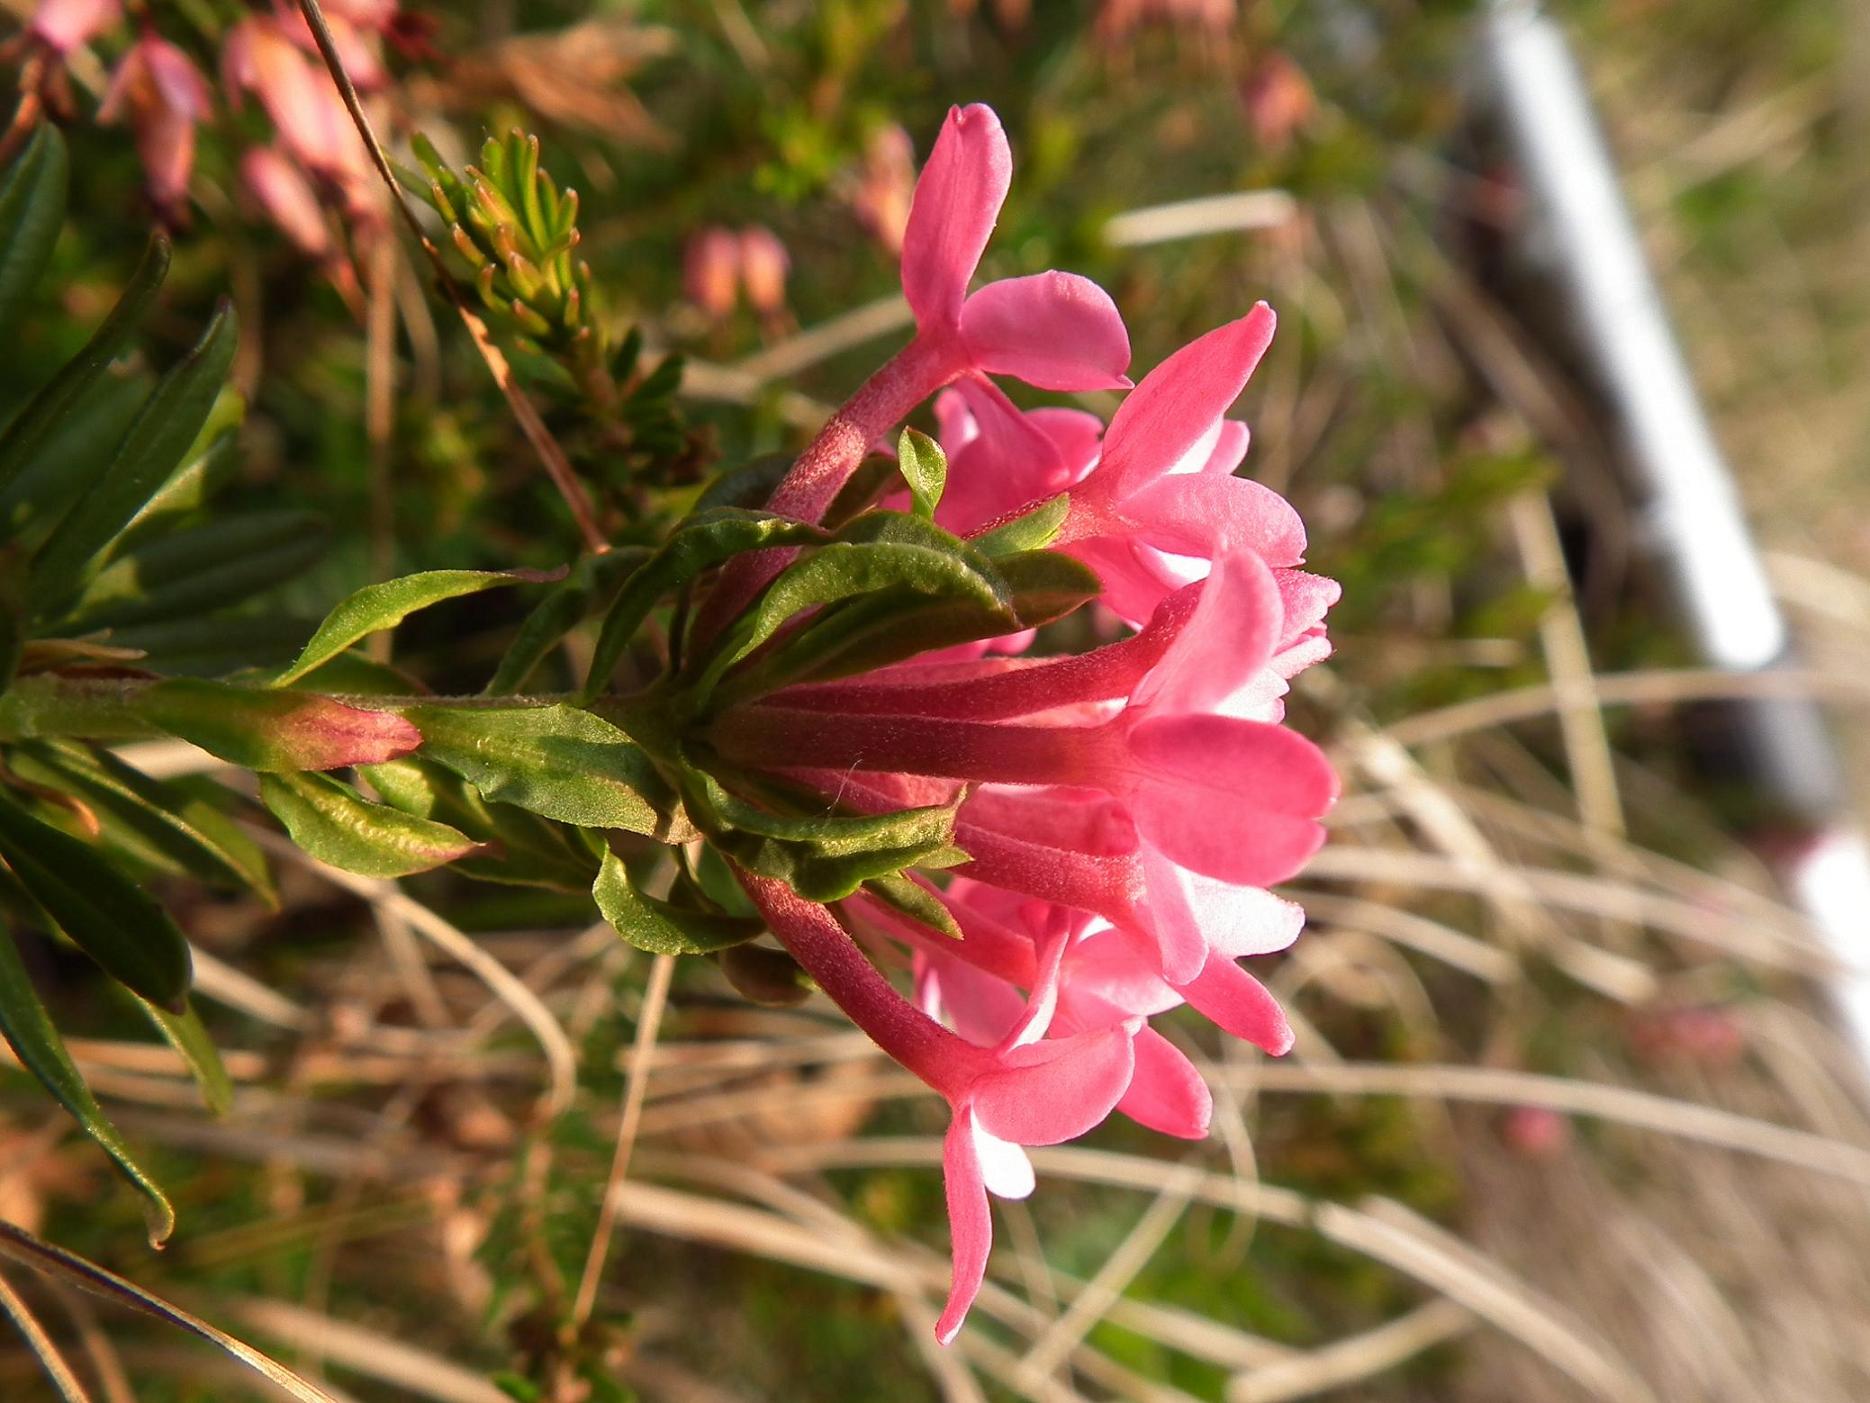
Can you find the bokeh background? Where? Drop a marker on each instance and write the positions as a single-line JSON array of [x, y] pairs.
[[1568, 1116]]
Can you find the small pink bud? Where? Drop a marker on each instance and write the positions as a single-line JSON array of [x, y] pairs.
[[1536, 1132], [1279, 100], [64, 25], [711, 271], [763, 267], [886, 185]]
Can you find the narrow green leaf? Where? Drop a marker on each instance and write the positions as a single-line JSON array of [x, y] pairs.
[[557, 761], [591, 586], [377, 607], [35, 1041], [274, 730], [50, 409], [827, 834], [747, 486], [165, 824], [1033, 530], [32, 207], [925, 468], [216, 645], [71, 456], [201, 569], [185, 1033], [105, 914], [702, 542], [657, 926], [341, 828], [912, 899], [156, 445]]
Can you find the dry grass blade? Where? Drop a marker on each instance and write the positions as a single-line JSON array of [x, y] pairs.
[[63, 1378], [648, 1027], [415, 1371], [74, 1270], [1355, 1360]]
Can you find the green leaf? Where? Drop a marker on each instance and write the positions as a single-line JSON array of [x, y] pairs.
[[216, 645], [377, 607], [184, 1032], [51, 408], [274, 730], [901, 560], [341, 828], [702, 542], [1033, 530], [592, 585], [827, 834], [202, 569], [917, 902], [769, 977], [748, 486], [659, 927], [35, 1041], [73, 453], [557, 761], [163, 824], [925, 468], [104, 913], [32, 207], [156, 445]]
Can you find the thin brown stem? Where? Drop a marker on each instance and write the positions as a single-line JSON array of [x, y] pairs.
[[551, 455]]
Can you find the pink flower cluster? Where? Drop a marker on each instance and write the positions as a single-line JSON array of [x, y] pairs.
[[1124, 810], [317, 160]]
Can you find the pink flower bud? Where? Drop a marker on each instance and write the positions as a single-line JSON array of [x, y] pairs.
[[763, 267], [711, 271], [1279, 100], [161, 93], [64, 25], [288, 199], [885, 185]]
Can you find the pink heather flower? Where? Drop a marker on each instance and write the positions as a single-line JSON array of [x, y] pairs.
[[261, 57], [764, 264], [161, 93], [288, 199], [711, 271], [65, 25], [885, 185]]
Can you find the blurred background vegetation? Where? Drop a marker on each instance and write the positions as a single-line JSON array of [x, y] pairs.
[[1565, 1119]]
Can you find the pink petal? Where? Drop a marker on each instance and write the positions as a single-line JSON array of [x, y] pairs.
[[1238, 800], [1009, 463], [1055, 1090], [1005, 1168], [970, 1224], [1305, 599], [1230, 448], [1132, 575], [1239, 1004], [1203, 514], [180, 83], [1077, 434], [1229, 638], [1179, 401], [955, 428], [977, 1005], [1055, 330], [1233, 919], [957, 199], [1166, 1093]]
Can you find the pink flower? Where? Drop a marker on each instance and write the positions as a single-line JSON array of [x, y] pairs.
[[261, 57], [711, 271], [65, 25], [161, 93], [885, 185], [764, 264], [288, 199]]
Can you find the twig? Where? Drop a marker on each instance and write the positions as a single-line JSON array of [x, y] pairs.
[[648, 1026], [40, 1343], [557, 466], [1355, 1360]]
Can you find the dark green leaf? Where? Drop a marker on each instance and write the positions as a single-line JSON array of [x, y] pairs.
[[657, 926], [341, 828], [72, 455], [104, 913], [558, 761], [157, 444], [770, 977], [201, 569], [32, 206], [165, 825], [51, 408], [591, 586], [748, 485], [215, 646], [905, 894], [41, 1051], [700, 543], [925, 468], [377, 607], [274, 730]]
